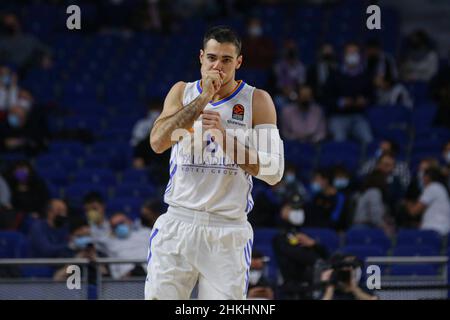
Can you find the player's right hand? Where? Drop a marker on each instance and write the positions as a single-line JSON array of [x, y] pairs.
[[212, 81]]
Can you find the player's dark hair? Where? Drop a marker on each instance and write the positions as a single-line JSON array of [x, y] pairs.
[[223, 34]]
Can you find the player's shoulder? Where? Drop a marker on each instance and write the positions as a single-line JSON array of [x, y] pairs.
[[262, 98]]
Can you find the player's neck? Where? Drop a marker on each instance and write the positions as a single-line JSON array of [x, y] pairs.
[[226, 89]]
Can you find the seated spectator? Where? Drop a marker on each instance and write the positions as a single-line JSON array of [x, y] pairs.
[[371, 209], [401, 168], [143, 154], [421, 60], [8, 90], [259, 286], [296, 252], [94, 209], [319, 73], [5, 193], [392, 93], [124, 243], [290, 72], [433, 205], [395, 190], [83, 245], [446, 166], [341, 281], [440, 93], [303, 120], [150, 211], [290, 184], [343, 180], [329, 208], [259, 49], [49, 237], [350, 94], [20, 49], [380, 64], [29, 193]]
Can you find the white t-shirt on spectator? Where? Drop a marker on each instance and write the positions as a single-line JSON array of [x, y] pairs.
[[437, 214]]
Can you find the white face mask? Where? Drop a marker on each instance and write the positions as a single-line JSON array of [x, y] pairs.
[[254, 276], [358, 274], [296, 217], [352, 59]]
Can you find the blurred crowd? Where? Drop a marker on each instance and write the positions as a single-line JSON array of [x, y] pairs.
[[321, 102]]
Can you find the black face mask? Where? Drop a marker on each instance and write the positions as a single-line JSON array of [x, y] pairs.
[[60, 221]]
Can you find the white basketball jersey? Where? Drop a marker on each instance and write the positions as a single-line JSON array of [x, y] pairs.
[[213, 184]]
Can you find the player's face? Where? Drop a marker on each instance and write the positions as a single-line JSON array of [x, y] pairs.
[[222, 57]]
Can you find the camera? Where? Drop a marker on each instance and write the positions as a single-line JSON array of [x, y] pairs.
[[342, 266]]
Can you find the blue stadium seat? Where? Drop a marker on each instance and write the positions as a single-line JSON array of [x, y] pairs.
[[414, 250], [75, 192], [264, 236], [414, 270], [136, 176], [102, 176], [383, 118], [347, 154], [68, 148], [363, 251], [423, 116], [131, 206], [135, 190], [367, 236], [326, 237], [34, 271], [419, 237], [65, 162], [55, 176], [10, 244]]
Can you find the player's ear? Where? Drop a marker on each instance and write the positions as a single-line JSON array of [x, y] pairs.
[[239, 62], [201, 55]]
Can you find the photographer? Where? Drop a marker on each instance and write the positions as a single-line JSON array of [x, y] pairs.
[[296, 252], [341, 280]]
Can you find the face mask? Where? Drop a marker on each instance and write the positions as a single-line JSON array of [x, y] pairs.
[[341, 183], [447, 157], [254, 276], [352, 59], [296, 217], [24, 103], [358, 274], [59, 221], [255, 31], [316, 187], [13, 120], [122, 231], [82, 242], [94, 217], [290, 178], [21, 175]]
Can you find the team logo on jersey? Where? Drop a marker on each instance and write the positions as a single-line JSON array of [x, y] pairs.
[[238, 112]]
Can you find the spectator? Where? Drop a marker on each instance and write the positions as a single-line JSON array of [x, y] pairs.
[[401, 168], [440, 93], [5, 194], [391, 93], [19, 49], [343, 180], [433, 205], [94, 208], [259, 50], [150, 211], [49, 237], [395, 190], [296, 252], [83, 245], [319, 73], [29, 193], [421, 60], [342, 280], [291, 184], [371, 209], [329, 207], [380, 64], [259, 286], [290, 72], [8, 90], [143, 155], [350, 95], [303, 120], [124, 243]]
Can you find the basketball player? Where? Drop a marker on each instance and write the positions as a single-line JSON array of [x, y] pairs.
[[205, 237]]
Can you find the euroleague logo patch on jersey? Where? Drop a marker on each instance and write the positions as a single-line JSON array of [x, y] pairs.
[[238, 112]]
